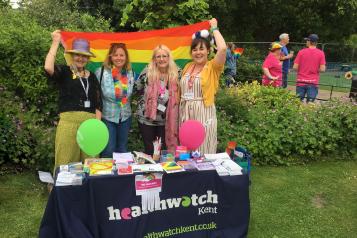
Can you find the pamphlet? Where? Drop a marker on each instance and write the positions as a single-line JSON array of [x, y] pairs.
[[212, 157], [103, 167], [144, 168], [171, 167], [188, 165], [142, 158], [123, 157], [205, 166], [124, 169]]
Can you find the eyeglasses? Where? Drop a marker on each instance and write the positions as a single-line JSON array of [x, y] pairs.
[[161, 57]]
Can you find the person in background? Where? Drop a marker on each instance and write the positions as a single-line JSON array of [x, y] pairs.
[[158, 105], [199, 84], [230, 70], [309, 62], [79, 97], [116, 80], [272, 67], [285, 57]]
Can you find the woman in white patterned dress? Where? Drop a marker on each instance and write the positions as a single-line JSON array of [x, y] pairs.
[[199, 84]]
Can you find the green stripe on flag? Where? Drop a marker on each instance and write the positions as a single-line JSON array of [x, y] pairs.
[[137, 67]]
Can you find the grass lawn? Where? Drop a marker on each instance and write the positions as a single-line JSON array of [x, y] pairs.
[[336, 79], [316, 200]]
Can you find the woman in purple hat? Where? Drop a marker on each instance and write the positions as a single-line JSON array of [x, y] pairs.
[[79, 96]]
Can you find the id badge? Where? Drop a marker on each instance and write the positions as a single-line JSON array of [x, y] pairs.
[[161, 108], [87, 104], [189, 95]]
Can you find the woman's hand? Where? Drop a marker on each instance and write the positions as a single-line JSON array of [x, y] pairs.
[[220, 57], [213, 23], [51, 55], [56, 36]]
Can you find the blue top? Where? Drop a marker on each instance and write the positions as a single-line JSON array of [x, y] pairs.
[[286, 63], [111, 110], [231, 66]]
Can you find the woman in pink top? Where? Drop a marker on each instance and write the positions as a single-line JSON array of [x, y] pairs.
[[272, 67]]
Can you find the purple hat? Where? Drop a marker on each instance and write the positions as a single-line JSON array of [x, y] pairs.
[[80, 46], [312, 38]]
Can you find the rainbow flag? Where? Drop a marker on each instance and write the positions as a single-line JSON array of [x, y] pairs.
[[139, 44], [238, 52]]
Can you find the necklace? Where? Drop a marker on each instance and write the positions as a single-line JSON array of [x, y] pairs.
[[79, 74], [163, 79], [193, 76], [120, 80]]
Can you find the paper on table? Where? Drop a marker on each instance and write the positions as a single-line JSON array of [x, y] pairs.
[[123, 157], [45, 177], [212, 157]]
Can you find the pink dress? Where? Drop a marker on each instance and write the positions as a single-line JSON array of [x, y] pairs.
[[274, 66]]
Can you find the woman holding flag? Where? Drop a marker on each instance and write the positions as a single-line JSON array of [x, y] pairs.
[[116, 79], [79, 96], [199, 84]]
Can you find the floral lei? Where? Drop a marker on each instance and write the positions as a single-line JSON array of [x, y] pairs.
[[120, 80]]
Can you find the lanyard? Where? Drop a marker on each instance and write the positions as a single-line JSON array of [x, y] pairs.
[[86, 89]]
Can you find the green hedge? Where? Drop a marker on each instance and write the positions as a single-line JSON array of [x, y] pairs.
[[279, 130], [28, 103]]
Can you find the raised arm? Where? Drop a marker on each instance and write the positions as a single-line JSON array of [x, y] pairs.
[[51, 55], [220, 57]]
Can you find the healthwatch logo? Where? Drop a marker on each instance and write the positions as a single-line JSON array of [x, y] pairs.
[[207, 201]]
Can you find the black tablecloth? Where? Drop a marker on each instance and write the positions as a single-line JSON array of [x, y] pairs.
[[193, 204]]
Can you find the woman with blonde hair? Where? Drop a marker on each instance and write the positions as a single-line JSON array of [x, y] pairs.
[[158, 106], [116, 80]]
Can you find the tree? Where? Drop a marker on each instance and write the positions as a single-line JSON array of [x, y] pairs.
[[260, 20], [136, 15], [352, 42], [4, 3], [148, 14], [57, 15]]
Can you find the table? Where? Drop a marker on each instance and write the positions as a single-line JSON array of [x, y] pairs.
[[193, 204]]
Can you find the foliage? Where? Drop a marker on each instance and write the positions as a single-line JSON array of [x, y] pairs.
[[279, 130], [148, 14], [26, 140], [352, 42], [4, 3], [57, 15], [247, 71], [28, 103], [136, 15], [259, 20]]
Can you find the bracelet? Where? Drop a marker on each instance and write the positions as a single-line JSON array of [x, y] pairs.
[[214, 29]]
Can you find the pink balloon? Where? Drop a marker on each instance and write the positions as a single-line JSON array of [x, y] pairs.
[[192, 134]]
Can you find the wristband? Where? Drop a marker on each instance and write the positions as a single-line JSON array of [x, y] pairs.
[[214, 29]]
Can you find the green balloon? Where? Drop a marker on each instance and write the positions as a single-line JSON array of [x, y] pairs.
[[92, 136]]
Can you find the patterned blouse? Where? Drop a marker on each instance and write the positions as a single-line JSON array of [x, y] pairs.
[[111, 110], [140, 86]]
